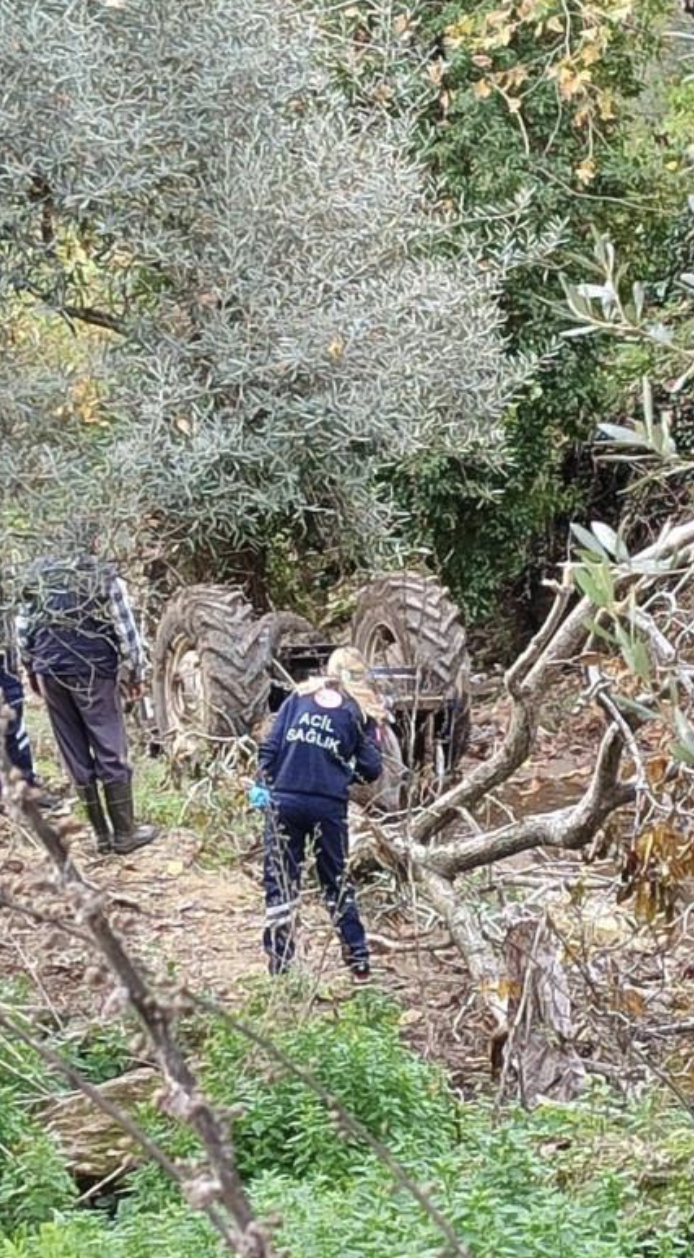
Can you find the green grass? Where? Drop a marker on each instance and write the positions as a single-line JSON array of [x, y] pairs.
[[214, 810]]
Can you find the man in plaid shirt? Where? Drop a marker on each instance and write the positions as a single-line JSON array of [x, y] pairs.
[[82, 650]]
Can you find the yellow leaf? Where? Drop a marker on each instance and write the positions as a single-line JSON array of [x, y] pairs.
[[555, 24], [498, 17], [586, 171], [436, 70], [482, 89], [572, 82], [503, 36], [410, 1017], [503, 987], [656, 769], [514, 104], [175, 868], [629, 1001], [336, 349], [460, 31], [606, 105], [516, 75], [590, 55]]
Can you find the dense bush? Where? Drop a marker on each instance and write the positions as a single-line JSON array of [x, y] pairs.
[[33, 1179], [521, 143], [595, 1180]]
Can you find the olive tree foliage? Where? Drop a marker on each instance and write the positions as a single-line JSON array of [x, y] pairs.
[[229, 300]]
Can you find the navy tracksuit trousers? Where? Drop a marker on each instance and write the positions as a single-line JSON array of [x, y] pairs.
[[294, 822], [17, 742]]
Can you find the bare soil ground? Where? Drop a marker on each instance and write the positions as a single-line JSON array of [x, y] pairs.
[[201, 923]]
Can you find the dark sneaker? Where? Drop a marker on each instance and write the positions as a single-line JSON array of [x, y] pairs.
[[47, 801], [361, 972], [359, 966]]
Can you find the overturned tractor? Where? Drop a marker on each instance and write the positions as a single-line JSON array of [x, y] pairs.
[[220, 671]]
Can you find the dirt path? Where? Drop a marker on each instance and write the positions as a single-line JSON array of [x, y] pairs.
[[202, 924]]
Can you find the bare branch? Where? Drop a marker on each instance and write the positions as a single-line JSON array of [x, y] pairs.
[[184, 1099], [553, 648], [570, 828], [90, 314]]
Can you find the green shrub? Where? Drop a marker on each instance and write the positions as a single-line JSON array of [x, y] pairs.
[[596, 1179], [99, 1053], [35, 1182], [175, 1232], [33, 1179], [484, 522]]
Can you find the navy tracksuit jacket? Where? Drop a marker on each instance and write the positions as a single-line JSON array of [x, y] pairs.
[[310, 759], [17, 742]]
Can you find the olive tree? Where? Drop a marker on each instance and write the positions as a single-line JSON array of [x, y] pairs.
[[230, 300]]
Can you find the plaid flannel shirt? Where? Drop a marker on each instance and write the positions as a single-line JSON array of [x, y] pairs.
[[130, 644], [132, 649]]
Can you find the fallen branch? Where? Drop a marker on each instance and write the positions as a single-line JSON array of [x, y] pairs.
[[554, 647]]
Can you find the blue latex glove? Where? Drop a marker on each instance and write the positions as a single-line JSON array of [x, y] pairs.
[[259, 797]]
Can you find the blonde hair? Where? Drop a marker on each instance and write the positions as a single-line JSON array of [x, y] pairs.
[[348, 670]]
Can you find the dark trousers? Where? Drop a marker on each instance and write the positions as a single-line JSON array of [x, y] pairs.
[[292, 823], [87, 719], [17, 743]]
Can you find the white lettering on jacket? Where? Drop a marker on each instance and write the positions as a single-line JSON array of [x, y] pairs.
[[316, 721], [314, 738]]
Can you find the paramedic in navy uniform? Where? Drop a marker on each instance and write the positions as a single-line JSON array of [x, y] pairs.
[[325, 738]]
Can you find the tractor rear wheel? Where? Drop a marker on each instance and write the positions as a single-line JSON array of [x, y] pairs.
[[406, 619], [213, 662], [195, 690], [255, 660]]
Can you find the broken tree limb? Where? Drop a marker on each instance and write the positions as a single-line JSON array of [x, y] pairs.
[[570, 828], [540, 1047], [553, 648], [525, 695], [483, 962]]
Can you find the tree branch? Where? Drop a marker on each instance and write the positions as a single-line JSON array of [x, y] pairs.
[[553, 647], [568, 828], [90, 314], [184, 1100], [538, 661]]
